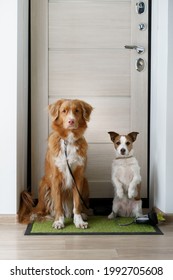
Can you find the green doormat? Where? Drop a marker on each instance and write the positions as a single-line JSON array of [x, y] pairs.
[[98, 225]]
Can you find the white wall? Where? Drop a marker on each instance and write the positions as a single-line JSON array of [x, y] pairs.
[[12, 128], [161, 111], [8, 108]]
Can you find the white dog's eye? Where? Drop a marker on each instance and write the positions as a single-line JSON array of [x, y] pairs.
[[118, 143], [64, 111], [127, 143]]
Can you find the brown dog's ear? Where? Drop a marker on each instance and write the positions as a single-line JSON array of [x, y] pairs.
[[133, 135], [113, 135], [54, 109], [87, 109]]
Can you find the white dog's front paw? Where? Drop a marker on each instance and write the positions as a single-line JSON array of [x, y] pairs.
[[59, 224], [132, 193], [78, 221]]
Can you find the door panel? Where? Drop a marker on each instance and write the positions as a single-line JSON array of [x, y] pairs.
[[84, 72], [98, 155], [84, 58], [88, 24]]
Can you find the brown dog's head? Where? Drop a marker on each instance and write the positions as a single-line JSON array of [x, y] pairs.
[[70, 114], [123, 143]]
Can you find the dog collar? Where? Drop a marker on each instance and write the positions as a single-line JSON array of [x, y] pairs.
[[124, 157]]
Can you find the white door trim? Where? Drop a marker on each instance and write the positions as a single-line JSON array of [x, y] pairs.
[[161, 155]]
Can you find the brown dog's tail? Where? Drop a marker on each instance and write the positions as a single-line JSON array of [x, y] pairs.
[[25, 207]]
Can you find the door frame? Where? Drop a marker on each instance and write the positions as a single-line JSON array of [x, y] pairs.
[[39, 69]]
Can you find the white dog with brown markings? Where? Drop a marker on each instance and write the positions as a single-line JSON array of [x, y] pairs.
[[125, 177]]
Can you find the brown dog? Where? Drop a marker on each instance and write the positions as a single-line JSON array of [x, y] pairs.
[[58, 195]]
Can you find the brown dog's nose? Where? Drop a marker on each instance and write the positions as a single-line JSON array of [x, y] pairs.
[[123, 151], [71, 122]]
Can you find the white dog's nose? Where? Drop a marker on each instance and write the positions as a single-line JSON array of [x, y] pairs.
[[123, 151]]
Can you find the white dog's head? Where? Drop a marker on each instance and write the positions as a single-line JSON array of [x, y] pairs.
[[123, 143]]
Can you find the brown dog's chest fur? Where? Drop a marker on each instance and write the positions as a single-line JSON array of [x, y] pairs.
[[56, 161]]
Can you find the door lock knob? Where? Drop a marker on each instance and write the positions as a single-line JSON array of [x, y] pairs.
[[140, 64]]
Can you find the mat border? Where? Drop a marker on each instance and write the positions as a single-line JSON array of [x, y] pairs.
[[29, 228]]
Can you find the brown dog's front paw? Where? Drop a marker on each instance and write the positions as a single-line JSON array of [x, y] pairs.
[[78, 221], [58, 224]]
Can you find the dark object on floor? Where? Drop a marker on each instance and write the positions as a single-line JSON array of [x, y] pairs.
[[150, 218]]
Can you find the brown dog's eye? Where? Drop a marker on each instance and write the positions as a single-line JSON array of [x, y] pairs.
[[127, 143], [64, 111], [118, 143], [77, 110]]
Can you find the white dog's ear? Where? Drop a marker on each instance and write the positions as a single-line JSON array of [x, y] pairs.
[[113, 135], [54, 109], [133, 135], [87, 109]]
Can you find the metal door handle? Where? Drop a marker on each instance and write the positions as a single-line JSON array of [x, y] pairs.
[[139, 49]]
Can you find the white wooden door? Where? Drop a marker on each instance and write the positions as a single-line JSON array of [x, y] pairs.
[[77, 51]]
